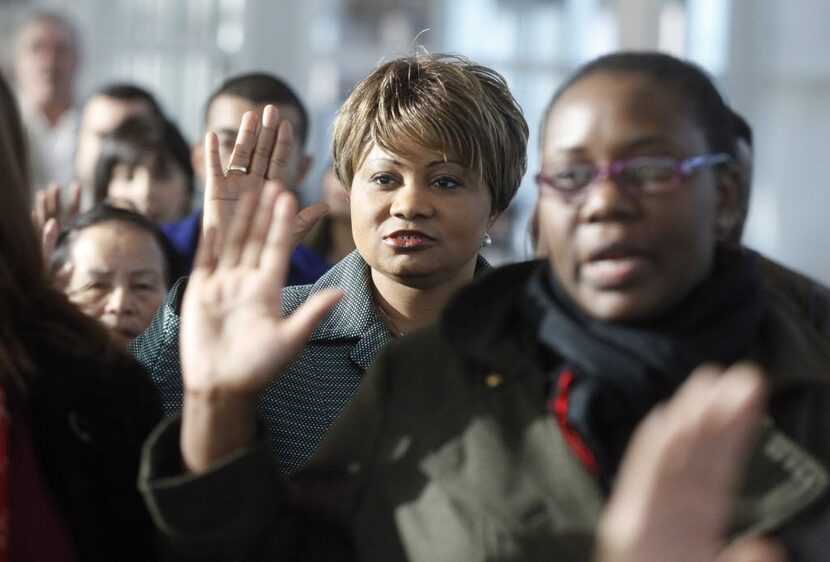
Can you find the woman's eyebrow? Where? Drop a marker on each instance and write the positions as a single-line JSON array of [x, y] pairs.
[[145, 272], [100, 272], [647, 142], [384, 159], [634, 143], [440, 162]]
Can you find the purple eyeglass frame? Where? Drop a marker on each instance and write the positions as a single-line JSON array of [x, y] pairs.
[[682, 169]]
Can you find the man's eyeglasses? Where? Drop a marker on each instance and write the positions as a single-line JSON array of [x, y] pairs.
[[646, 175]]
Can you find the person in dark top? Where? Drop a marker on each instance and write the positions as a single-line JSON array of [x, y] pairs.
[[74, 409], [498, 432]]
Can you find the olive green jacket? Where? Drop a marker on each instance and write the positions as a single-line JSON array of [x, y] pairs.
[[448, 453]]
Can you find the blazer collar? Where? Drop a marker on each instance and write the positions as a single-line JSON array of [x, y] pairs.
[[356, 316]]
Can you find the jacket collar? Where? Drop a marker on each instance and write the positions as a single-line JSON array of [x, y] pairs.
[[355, 317], [781, 481], [480, 321]]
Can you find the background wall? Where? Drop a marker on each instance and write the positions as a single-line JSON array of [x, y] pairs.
[[769, 57]]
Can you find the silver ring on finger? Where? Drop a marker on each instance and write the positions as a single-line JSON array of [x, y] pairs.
[[236, 168]]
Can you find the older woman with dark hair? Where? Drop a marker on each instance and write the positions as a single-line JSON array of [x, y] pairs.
[[498, 433], [73, 408], [116, 265], [430, 150]]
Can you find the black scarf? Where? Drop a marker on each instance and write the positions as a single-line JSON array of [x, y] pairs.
[[622, 370]]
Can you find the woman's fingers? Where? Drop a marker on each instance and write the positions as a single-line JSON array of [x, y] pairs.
[[234, 242], [260, 227], [51, 230], [73, 205], [281, 152], [39, 214], [298, 327], [306, 219], [213, 162], [672, 495], [245, 143], [265, 141], [276, 253], [53, 200], [205, 259]]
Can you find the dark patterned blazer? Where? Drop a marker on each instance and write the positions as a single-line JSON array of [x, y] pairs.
[[300, 405]]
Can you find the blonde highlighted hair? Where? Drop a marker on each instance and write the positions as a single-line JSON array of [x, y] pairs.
[[444, 103]]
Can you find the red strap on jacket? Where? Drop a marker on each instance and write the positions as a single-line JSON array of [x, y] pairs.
[[558, 404]]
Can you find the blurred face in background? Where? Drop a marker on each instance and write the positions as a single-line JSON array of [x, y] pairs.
[[118, 276], [157, 190], [623, 256], [101, 116], [223, 117], [45, 62]]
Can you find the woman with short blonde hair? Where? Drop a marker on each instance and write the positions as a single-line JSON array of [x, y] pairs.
[[430, 148]]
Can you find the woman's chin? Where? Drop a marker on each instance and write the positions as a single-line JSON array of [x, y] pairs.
[[621, 306]]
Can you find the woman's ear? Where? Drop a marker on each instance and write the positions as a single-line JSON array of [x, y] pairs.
[[730, 217]]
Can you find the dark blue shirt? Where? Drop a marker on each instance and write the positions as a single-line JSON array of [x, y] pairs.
[[306, 266]]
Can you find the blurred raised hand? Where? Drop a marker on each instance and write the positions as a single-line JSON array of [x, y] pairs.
[[234, 338], [51, 214], [49, 204], [673, 494], [259, 159]]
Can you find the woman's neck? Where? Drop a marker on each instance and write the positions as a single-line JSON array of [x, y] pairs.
[[404, 308], [341, 242]]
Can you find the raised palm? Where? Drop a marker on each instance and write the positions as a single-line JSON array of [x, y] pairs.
[[233, 336], [259, 159]]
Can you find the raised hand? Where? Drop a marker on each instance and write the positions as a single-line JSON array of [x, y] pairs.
[[48, 205], [672, 496], [49, 216], [234, 339], [260, 158]]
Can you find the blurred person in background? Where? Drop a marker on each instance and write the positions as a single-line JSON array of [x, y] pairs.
[[102, 113], [252, 92], [145, 164], [46, 59], [332, 236], [116, 266], [224, 110], [74, 409]]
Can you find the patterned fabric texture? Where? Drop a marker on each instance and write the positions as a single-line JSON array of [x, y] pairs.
[[300, 405]]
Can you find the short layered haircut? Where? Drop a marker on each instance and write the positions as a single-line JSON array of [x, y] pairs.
[[443, 103]]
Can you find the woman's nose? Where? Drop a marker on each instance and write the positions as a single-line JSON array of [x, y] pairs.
[[119, 302], [606, 199], [412, 201]]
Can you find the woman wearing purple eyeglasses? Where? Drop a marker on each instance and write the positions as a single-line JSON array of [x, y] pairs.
[[498, 433]]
